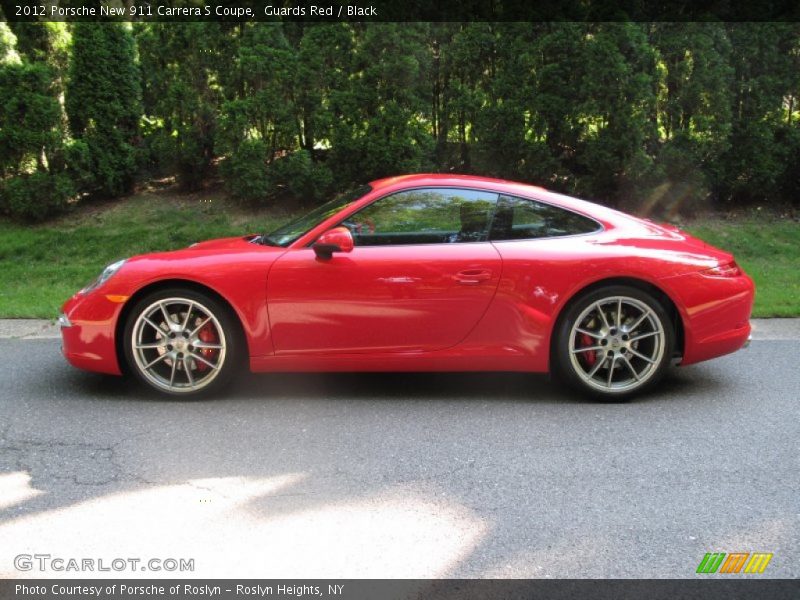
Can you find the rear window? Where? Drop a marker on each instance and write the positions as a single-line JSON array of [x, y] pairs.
[[524, 219]]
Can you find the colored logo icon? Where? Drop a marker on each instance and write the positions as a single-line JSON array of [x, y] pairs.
[[736, 562]]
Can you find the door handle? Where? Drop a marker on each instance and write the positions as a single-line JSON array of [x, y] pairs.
[[472, 276]]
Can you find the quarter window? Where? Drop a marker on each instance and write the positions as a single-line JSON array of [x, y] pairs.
[[523, 219], [424, 216]]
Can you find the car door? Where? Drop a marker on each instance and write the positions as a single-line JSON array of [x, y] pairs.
[[420, 277]]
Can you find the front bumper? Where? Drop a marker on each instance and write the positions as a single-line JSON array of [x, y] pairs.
[[88, 323]]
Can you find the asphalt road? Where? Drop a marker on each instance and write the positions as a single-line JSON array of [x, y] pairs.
[[402, 475]]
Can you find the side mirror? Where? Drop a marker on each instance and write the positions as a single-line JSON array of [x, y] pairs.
[[338, 239]]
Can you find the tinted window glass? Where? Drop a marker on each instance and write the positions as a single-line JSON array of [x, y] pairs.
[[522, 219], [424, 216]]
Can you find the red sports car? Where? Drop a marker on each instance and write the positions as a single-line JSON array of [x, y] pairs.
[[420, 273]]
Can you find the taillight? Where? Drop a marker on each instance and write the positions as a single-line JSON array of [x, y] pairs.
[[730, 269]]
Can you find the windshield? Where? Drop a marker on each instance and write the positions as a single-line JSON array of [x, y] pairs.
[[286, 234]]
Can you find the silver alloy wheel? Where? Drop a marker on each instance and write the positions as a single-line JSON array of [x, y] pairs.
[[616, 344], [179, 345]]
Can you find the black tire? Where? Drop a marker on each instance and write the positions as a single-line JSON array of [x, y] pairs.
[[183, 363], [593, 354]]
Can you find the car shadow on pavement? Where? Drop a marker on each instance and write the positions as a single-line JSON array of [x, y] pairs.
[[458, 387], [371, 387]]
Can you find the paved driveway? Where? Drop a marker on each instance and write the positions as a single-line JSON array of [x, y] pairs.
[[403, 475]]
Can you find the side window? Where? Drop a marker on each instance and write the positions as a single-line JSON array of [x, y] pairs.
[[523, 219], [424, 216]]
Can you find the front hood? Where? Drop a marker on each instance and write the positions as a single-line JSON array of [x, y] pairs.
[[220, 248], [223, 243]]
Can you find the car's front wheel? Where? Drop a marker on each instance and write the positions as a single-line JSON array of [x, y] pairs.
[[614, 342], [181, 342]]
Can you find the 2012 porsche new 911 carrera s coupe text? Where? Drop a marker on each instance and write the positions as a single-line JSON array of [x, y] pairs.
[[420, 273]]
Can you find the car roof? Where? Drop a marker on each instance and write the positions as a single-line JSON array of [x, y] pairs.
[[443, 179]]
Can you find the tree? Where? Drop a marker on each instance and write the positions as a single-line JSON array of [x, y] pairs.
[[263, 109], [321, 69], [620, 98], [103, 105], [269, 124], [33, 184], [185, 70], [558, 123], [763, 76], [8, 45], [693, 111], [381, 128], [612, 111]]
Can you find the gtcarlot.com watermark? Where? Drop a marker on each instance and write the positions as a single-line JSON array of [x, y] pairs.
[[47, 563]]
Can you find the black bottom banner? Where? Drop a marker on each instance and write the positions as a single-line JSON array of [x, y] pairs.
[[403, 589]]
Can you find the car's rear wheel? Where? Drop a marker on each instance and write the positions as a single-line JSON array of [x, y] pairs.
[[614, 342], [181, 342]]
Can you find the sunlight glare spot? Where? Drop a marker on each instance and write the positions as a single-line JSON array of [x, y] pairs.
[[15, 488], [255, 527]]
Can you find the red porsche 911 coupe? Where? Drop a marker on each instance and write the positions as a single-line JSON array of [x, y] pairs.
[[420, 273]]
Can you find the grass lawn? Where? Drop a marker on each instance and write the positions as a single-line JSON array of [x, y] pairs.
[[768, 249], [42, 265]]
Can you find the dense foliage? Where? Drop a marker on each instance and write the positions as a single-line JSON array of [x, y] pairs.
[[33, 180], [102, 104], [661, 116]]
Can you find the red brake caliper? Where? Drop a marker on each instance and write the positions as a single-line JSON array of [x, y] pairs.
[[209, 335], [591, 356]]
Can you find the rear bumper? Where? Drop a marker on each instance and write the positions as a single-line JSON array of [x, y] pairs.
[[717, 345], [715, 313]]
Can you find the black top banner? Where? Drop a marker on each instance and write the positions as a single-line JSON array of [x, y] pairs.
[[399, 11]]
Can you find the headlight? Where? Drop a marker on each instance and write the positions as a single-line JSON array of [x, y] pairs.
[[107, 273]]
